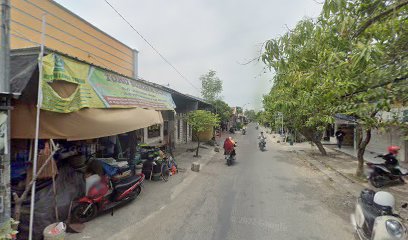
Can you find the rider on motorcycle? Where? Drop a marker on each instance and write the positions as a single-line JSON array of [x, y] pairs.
[[229, 147], [391, 160], [262, 139]]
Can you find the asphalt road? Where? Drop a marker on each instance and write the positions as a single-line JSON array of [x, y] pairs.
[[264, 195]]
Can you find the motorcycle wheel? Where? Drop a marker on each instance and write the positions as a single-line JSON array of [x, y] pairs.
[[229, 162], [135, 193], [376, 181], [79, 217]]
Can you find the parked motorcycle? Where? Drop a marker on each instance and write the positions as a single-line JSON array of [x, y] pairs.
[[262, 144], [380, 175], [107, 194], [374, 218], [243, 131]]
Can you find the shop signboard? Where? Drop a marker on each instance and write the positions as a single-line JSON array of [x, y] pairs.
[[95, 88]]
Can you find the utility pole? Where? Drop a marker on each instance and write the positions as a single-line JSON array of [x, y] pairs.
[[5, 103]]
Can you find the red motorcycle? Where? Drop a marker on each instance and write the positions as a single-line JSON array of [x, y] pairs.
[[105, 195]]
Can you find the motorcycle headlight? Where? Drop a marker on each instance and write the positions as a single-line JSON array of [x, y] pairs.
[[394, 228]]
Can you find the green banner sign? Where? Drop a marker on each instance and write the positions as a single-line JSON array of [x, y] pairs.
[[68, 85]]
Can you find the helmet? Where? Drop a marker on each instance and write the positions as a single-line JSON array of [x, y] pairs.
[[385, 199], [393, 149]]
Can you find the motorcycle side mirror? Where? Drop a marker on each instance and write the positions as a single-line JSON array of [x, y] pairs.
[[405, 205]]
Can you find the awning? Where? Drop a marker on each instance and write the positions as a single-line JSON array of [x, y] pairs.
[[79, 125]]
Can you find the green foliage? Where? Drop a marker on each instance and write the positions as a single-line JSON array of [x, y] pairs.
[[352, 60], [348, 62], [201, 120], [222, 109], [250, 114], [211, 86], [7, 230]]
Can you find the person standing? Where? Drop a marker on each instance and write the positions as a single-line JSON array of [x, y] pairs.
[[340, 137]]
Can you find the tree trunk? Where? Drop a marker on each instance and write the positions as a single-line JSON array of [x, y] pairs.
[[320, 147], [311, 136], [198, 146], [362, 144]]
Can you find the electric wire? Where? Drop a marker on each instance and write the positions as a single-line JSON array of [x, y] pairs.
[[154, 49]]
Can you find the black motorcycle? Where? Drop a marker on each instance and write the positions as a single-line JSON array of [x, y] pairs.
[[262, 144], [382, 175]]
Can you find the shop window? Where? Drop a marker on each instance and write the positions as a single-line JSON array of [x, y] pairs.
[[153, 131]]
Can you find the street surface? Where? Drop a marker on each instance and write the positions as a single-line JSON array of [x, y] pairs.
[[264, 195]]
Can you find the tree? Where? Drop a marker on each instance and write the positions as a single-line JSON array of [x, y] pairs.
[[375, 63], [211, 86], [352, 60], [201, 121], [299, 92], [223, 110], [250, 114]]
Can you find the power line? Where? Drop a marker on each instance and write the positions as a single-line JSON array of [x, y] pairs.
[[154, 49]]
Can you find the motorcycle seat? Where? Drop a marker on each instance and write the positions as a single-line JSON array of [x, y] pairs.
[[127, 182], [367, 196]]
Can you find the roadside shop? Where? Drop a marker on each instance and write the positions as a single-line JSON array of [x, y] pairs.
[[86, 113]]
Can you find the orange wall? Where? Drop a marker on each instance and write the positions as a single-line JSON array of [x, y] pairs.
[[67, 33]]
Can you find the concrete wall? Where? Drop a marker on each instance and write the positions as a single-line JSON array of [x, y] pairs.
[[182, 134], [381, 139], [67, 33], [155, 140]]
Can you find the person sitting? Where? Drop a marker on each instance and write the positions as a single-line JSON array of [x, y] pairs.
[[262, 139], [390, 158]]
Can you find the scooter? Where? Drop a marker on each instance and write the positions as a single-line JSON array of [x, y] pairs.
[[243, 131], [107, 194], [262, 145], [229, 157], [374, 218], [380, 175]]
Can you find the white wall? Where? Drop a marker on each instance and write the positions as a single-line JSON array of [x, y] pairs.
[[155, 140], [381, 139], [180, 129]]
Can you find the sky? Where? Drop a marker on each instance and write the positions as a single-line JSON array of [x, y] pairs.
[[199, 35]]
